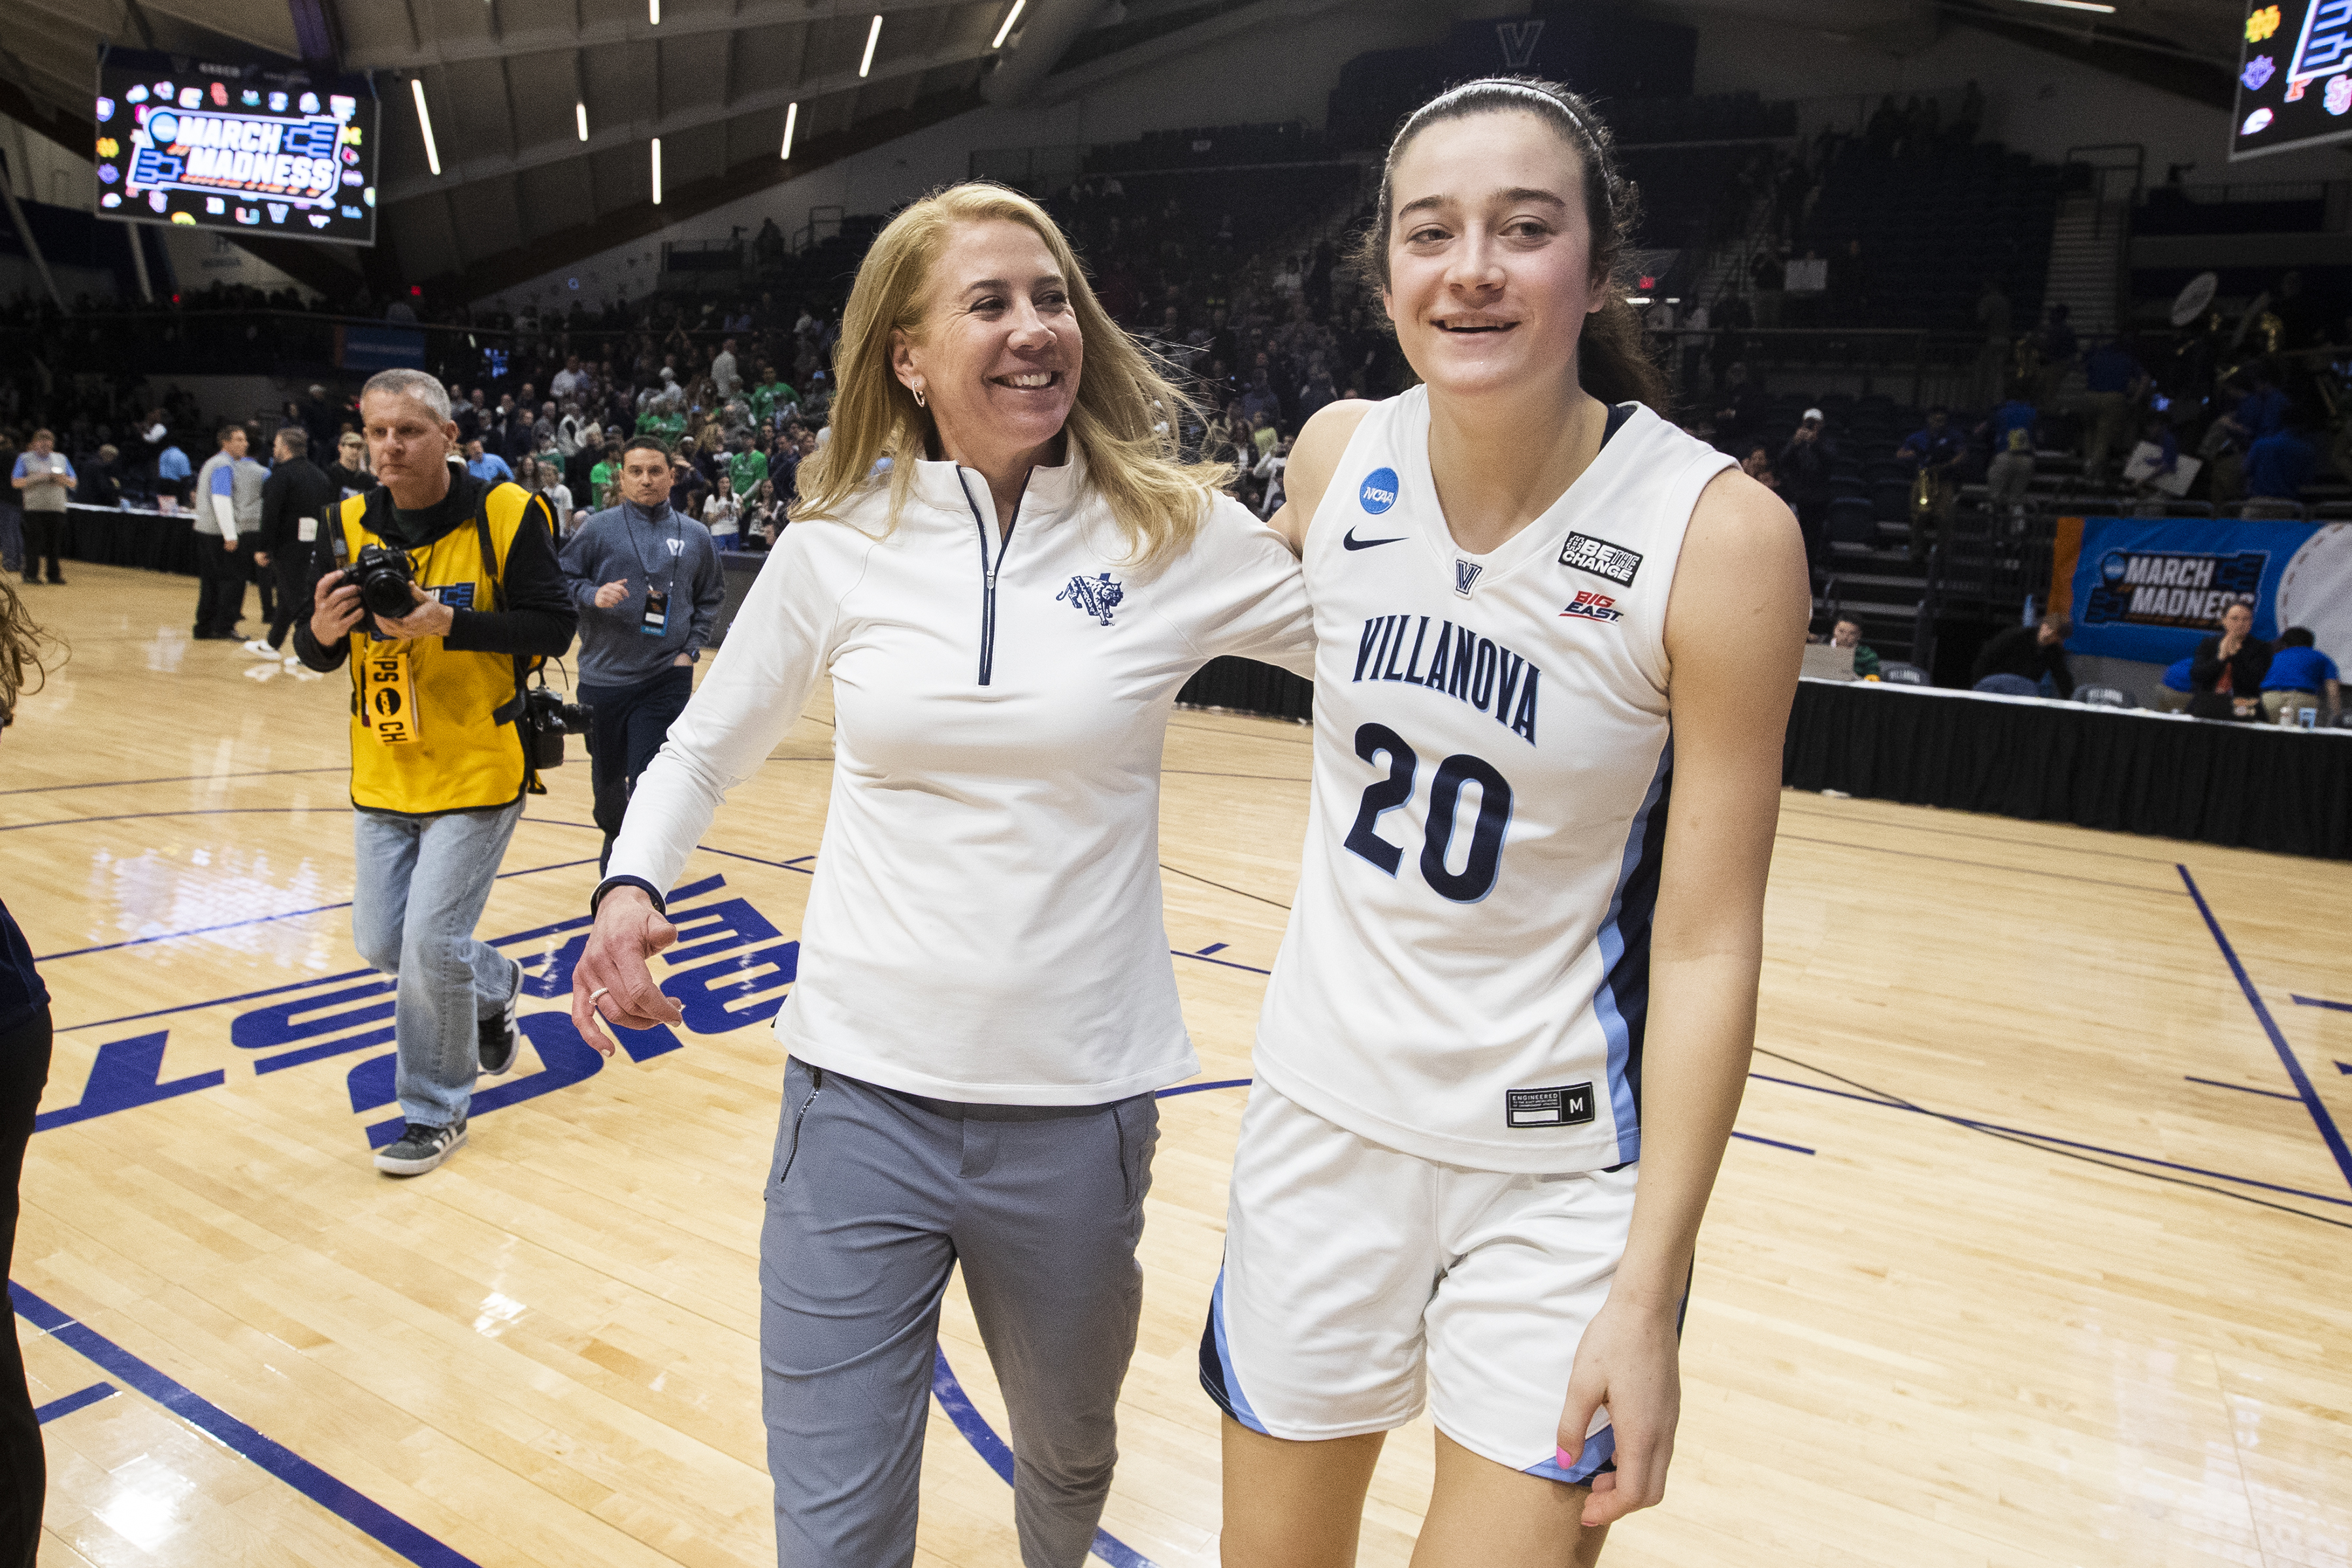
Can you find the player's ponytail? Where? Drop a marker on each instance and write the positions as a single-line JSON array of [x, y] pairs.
[[1613, 364]]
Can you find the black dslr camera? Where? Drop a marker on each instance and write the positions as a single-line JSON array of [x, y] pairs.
[[382, 577], [547, 717]]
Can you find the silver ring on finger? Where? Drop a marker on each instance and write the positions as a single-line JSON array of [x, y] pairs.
[[598, 992]]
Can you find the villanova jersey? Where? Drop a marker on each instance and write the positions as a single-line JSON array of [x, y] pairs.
[[1466, 973]]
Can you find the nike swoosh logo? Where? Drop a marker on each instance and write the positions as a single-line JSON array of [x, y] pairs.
[[1352, 542]]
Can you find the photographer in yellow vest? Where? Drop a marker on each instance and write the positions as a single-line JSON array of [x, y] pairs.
[[440, 589]]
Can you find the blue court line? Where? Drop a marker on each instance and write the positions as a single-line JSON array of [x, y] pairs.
[[2048, 1138], [2310, 1096], [1220, 963], [2241, 1088], [372, 1517], [88, 1396], [1775, 1142], [178, 778], [2315, 1002], [265, 919]]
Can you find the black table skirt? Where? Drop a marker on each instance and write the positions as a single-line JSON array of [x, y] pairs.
[[131, 539], [2250, 786]]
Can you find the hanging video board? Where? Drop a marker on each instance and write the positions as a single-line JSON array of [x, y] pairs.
[[241, 145], [2294, 77]]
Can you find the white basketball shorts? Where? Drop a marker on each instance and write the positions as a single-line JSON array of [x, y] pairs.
[[1359, 1280]]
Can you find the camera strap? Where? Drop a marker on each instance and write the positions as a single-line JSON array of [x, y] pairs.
[[507, 713]]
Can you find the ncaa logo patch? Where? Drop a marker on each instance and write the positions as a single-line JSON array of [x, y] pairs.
[[1380, 490]]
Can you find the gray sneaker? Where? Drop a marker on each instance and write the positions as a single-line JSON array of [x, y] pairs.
[[420, 1148], [499, 1036]]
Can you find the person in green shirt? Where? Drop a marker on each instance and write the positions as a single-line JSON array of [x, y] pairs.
[[747, 467], [604, 479], [662, 422], [1847, 633], [770, 395]]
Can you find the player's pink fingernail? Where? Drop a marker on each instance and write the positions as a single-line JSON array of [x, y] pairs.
[[1567, 1460]]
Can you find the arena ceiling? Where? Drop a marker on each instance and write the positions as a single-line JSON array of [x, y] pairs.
[[510, 82]]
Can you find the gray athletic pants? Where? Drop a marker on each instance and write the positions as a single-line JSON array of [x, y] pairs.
[[873, 1197]]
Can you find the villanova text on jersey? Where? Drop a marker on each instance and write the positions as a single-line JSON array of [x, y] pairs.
[[1461, 663]]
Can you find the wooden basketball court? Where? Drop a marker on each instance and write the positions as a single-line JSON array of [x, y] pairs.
[[2035, 1249]]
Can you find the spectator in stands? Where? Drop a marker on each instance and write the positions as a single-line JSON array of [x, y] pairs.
[[1767, 281], [1847, 633], [722, 513], [2010, 474], [2229, 667], [1934, 454], [2262, 411], [726, 380], [2112, 381], [2026, 661], [1804, 471], [2300, 675], [487, 464], [2280, 464], [43, 481], [2178, 685]]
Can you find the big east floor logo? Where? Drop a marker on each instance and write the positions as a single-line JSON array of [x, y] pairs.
[[729, 967], [2173, 587]]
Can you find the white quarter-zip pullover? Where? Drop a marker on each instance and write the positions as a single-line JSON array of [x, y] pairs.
[[985, 924]]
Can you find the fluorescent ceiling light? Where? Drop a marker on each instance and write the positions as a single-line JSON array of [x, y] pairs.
[[792, 123], [873, 36], [657, 170], [1005, 31], [580, 114], [653, 13], [425, 123]]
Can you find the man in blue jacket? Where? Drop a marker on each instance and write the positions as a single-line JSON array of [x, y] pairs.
[[648, 584]]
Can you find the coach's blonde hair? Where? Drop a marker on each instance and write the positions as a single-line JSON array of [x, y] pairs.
[[1124, 422]]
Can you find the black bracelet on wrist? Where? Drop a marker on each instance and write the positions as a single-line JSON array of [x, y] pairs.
[[608, 884]]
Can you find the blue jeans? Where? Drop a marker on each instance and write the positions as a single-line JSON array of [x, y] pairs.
[[421, 885], [2008, 686]]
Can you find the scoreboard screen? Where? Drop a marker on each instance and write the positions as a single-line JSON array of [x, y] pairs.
[[276, 149], [2294, 77]]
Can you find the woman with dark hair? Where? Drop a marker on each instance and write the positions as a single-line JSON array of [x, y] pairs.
[[1506, 1036]]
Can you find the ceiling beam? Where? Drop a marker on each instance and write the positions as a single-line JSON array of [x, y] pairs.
[[633, 134], [549, 252], [632, 28]]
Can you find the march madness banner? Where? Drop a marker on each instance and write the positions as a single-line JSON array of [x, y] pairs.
[[2150, 588]]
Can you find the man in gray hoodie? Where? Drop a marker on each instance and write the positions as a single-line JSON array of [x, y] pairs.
[[227, 523], [648, 584]]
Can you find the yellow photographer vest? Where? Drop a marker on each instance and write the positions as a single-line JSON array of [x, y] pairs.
[[433, 730]]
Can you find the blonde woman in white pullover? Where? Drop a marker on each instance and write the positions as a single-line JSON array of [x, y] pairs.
[[985, 1003]]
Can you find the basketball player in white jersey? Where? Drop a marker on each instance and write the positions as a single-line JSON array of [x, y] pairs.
[[1508, 1032]]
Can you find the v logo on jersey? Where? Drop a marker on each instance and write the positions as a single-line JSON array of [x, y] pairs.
[[1352, 542], [1465, 574]]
